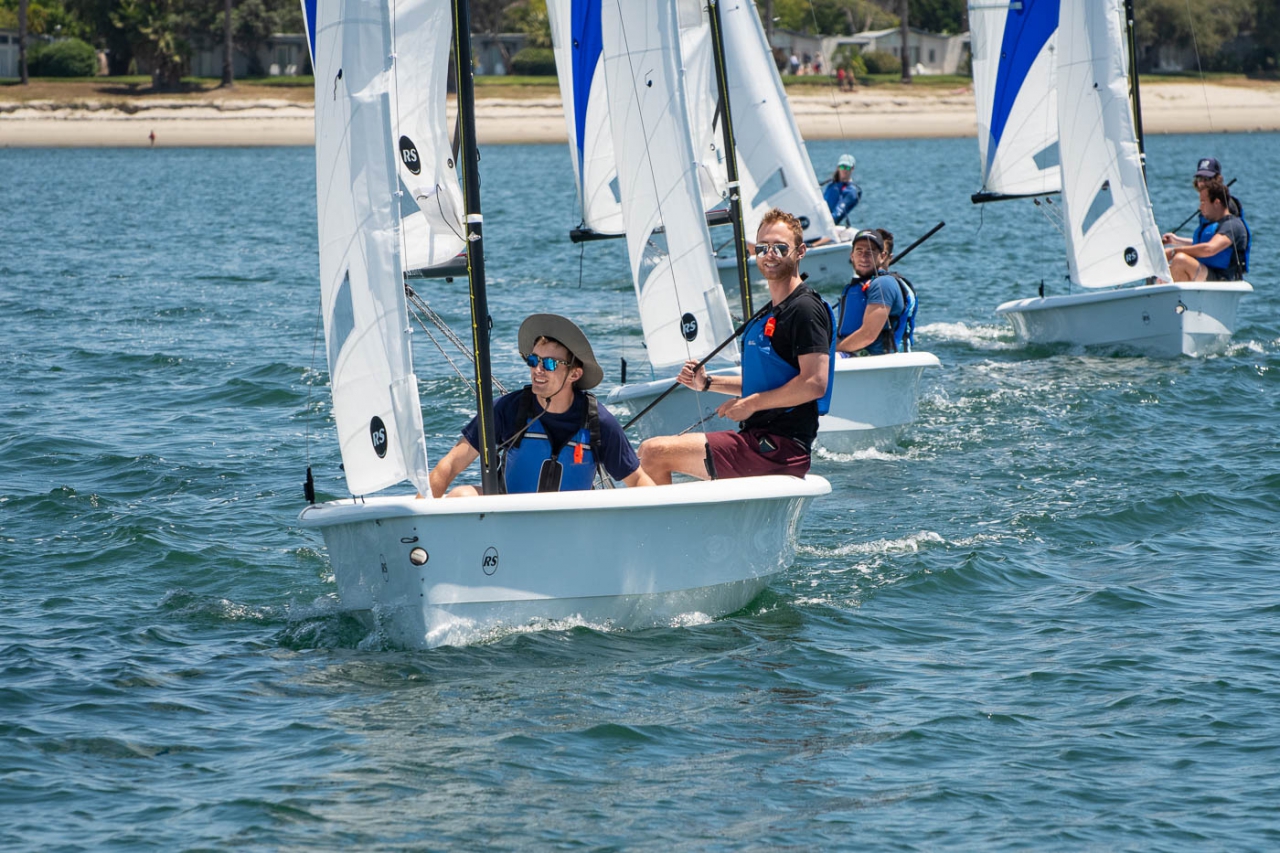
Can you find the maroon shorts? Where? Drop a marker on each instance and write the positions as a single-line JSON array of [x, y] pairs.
[[753, 453]]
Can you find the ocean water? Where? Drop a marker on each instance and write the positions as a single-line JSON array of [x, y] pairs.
[[1048, 621]]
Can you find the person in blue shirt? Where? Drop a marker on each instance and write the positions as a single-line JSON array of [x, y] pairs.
[[841, 194], [872, 304], [552, 435]]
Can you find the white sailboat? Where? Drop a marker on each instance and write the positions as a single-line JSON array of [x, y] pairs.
[[874, 398], [432, 571], [1111, 236], [773, 165]]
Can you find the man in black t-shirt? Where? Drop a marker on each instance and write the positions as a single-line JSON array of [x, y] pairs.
[[786, 364]]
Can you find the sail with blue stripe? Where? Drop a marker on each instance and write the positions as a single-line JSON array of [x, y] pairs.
[[1014, 47]]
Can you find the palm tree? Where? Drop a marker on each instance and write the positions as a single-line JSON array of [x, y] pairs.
[[22, 41], [228, 74], [906, 34]]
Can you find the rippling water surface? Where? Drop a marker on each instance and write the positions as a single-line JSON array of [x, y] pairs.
[[1048, 621]]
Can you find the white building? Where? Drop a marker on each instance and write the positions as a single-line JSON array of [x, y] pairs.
[[9, 54], [929, 53]]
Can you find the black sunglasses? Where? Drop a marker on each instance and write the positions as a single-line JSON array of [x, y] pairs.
[[549, 364], [779, 249]]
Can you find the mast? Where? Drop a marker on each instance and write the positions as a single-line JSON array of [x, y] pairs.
[[475, 245], [1133, 83], [731, 160]]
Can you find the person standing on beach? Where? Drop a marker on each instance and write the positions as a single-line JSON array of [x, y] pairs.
[[152, 137], [786, 378]]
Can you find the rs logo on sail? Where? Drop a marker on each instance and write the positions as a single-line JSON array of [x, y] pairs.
[[378, 433]]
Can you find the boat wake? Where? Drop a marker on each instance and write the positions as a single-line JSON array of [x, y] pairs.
[[981, 337]]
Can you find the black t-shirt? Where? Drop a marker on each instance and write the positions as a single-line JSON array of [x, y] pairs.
[[803, 327], [619, 458]]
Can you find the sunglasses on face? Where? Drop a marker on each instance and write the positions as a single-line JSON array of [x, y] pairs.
[[548, 363], [779, 249]]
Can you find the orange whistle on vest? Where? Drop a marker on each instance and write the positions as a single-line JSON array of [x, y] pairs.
[[577, 455], [769, 326]]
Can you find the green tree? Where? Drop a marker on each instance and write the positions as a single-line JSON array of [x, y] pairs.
[[156, 32], [1202, 25], [940, 16], [530, 17]]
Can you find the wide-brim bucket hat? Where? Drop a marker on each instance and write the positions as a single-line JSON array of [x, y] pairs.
[[566, 332]]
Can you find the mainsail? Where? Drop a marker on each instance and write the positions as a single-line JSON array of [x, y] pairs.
[[1014, 89], [375, 394], [773, 164], [1111, 232], [682, 307], [431, 200]]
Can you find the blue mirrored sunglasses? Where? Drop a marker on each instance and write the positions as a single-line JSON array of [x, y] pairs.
[[549, 364]]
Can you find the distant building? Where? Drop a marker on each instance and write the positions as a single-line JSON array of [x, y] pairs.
[[281, 55], [9, 54], [928, 53]]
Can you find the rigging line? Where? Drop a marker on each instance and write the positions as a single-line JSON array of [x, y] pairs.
[[306, 421], [419, 305], [1195, 43], [470, 385], [832, 88]]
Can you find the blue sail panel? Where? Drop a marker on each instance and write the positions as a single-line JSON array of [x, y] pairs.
[[1029, 26], [588, 44], [309, 19]]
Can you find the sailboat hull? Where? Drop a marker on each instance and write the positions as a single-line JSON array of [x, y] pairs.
[[1163, 320], [874, 399], [826, 266], [433, 572]]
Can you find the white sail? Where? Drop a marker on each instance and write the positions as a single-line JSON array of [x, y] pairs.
[[576, 38], [1013, 44], [375, 394], [1111, 232], [431, 207], [682, 307], [773, 164], [698, 70]]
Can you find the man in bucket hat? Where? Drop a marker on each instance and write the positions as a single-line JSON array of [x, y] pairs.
[[552, 435]]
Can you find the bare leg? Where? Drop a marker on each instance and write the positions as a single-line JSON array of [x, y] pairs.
[[464, 492], [1186, 268], [664, 455]]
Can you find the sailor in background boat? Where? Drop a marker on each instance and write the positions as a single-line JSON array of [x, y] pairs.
[[841, 193], [787, 371], [877, 309], [552, 435], [1219, 249]]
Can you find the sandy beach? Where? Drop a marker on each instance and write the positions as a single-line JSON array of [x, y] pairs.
[[1173, 107]]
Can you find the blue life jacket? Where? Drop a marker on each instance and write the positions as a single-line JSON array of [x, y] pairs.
[[1222, 261], [764, 370], [530, 463], [898, 334]]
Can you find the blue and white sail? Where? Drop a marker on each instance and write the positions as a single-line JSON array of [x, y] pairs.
[[1015, 92], [375, 393], [578, 44], [1111, 232], [683, 311]]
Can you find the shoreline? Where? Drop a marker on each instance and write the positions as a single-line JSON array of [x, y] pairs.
[[1166, 108]]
